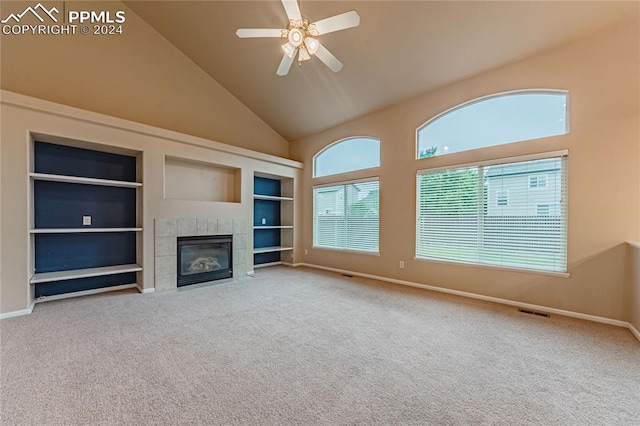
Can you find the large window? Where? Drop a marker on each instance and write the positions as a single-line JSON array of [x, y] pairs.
[[346, 216], [346, 156], [490, 214], [495, 120]]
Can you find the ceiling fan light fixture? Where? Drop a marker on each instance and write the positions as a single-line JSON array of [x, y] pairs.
[[311, 44], [296, 37], [289, 49], [303, 55]]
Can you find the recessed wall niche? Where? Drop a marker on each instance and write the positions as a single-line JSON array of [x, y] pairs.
[[200, 181]]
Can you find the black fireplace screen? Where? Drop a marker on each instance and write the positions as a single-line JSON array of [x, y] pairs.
[[205, 258]]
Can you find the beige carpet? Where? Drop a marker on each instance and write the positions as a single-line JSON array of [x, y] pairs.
[[298, 346]]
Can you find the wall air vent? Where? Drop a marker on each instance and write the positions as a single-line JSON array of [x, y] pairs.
[[540, 314]]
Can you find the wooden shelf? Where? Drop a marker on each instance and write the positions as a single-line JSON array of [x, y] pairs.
[[272, 198], [84, 180], [80, 230], [83, 273], [270, 249], [272, 227]]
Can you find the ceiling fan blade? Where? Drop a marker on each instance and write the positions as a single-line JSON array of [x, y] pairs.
[[285, 64], [258, 32], [327, 57], [338, 22], [292, 9]]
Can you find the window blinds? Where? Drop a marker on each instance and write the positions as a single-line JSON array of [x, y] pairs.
[[491, 214], [346, 216]]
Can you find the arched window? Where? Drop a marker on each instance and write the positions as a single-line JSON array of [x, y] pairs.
[[347, 155], [346, 214], [494, 120]]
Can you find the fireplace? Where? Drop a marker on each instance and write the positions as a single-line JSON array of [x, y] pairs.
[[204, 258]]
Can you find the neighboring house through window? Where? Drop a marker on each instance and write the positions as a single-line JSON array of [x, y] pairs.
[[543, 209], [502, 198], [456, 221], [538, 181]]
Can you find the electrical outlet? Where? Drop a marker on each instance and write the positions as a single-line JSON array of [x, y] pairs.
[[306, 251], [86, 220], [401, 264], [264, 221]]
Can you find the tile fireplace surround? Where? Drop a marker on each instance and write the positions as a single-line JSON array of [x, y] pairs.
[[167, 232]]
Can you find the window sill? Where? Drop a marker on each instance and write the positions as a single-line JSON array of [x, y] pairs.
[[368, 253], [499, 268]]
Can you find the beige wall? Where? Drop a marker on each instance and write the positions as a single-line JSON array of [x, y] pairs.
[[138, 76], [633, 285], [22, 117], [601, 74]]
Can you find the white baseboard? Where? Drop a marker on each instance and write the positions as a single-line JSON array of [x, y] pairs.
[[18, 313], [145, 290], [295, 265], [634, 331], [250, 273], [529, 306]]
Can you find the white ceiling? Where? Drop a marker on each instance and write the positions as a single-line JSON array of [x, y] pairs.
[[400, 49]]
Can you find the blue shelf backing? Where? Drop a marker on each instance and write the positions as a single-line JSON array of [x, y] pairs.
[[69, 161], [62, 205], [260, 258], [63, 252], [268, 210], [264, 186], [266, 238]]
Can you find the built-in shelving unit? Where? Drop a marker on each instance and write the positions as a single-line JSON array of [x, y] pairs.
[[85, 221], [272, 219]]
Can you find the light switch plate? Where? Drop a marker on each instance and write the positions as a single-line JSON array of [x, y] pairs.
[[264, 221], [86, 220]]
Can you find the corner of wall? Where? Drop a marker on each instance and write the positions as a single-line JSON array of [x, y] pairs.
[[632, 286]]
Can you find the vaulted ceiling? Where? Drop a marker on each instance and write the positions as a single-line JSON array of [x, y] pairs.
[[400, 49]]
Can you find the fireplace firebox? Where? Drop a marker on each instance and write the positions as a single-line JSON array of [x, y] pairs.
[[204, 258]]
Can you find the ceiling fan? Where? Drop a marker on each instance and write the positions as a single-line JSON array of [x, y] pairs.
[[300, 35]]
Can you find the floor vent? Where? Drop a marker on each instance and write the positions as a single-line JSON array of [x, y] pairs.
[[540, 314]]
